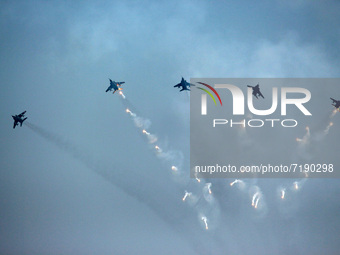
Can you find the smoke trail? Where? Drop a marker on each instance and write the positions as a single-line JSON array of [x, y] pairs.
[[334, 112], [197, 179], [296, 185], [303, 150], [131, 113], [254, 198], [121, 178], [151, 138], [241, 184], [187, 194], [308, 141], [205, 220], [306, 138], [62, 144], [236, 181], [121, 93], [326, 131], [208, 187], [322, 134], [258, 201], [175, 159]]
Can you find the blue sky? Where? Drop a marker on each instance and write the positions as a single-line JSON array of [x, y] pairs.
[[93, 184]]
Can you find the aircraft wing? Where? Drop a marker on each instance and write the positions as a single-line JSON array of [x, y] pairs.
[[334, 101], [178, 85], [22, 114], [15, 124], [108, 89], [260, 94], [120, 83], [184, 88]]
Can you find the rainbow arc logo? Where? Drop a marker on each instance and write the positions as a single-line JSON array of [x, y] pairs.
[[209, 93]]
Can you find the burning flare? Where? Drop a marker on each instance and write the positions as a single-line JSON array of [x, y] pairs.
[[131, 113], [335, 112], [283, 192], [121, 93], [328, 127], [187, 194], [208, 185], [159, 150], [236, 181], [197, 179], [255, 200], [173, 168], [146, 132]]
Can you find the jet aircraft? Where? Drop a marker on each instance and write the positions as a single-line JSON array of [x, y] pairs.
[[336, 103], [256, 91], [184, 84], [114, 86], [19, 119]]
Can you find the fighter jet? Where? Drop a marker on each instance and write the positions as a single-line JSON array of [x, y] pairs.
[[256, 91], [114, 86], [336, 103], [19, 118], [184, 84]]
